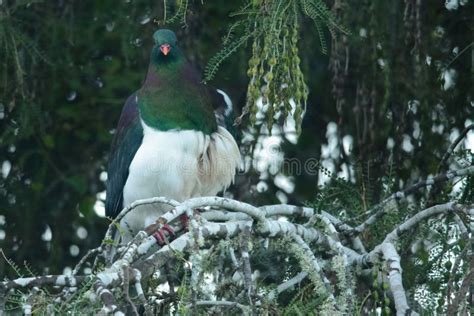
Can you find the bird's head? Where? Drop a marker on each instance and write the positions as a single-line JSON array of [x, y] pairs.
[[165, 49]]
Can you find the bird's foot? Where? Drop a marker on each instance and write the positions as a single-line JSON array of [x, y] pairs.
[[185, 219], [162, 234]]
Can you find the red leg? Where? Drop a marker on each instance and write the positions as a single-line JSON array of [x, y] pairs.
[[185, 221], [160, 235], [168, 229]]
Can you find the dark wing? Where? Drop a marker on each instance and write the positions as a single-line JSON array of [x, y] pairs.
[[127, 140], [223, 109]]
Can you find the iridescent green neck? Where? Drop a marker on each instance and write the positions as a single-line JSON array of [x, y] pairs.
[[170, 100]]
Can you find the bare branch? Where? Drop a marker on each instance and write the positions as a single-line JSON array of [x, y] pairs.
[[453, 146], [86, 257], [45, 280], [454, 271], [429, 212], [287, 285], [113, 225], [289, 210], [107, 298], [466, 285], [228, 304], [126, 290], [312, 264], [247, 270], [214, 201], [142, 258], [380, 210], [392, 258]]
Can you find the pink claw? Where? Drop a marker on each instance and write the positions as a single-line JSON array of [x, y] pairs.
[[168, 228], [160, 235]]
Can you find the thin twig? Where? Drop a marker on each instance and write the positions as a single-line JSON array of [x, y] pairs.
[[392, 259], [453, 146], [466, 285], [313, 263], [86, 257], [229, 304], [380, 210], [109, 301], [106, 243], [427, 213], [126, 290], [246, 268], [141, 295], [45, 280], [454, 271], [287, 285]]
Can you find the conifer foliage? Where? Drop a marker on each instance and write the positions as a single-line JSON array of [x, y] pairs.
[[364, 206]]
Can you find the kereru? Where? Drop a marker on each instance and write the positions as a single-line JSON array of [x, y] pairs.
[[168, 142]]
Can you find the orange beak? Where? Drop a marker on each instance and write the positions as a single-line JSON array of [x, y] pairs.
[[165, 49]]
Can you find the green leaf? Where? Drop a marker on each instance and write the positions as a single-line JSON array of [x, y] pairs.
[[79, 183], [48, 141]]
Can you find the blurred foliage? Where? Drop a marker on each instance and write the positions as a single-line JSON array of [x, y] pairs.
[[428, 251], [382, 106]]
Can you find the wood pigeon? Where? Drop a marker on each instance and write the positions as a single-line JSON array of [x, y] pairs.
[[168, 141]]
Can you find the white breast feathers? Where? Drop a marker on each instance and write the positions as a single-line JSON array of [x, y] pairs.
[[178, 165]]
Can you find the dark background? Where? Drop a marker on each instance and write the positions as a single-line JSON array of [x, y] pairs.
[[66, 68]]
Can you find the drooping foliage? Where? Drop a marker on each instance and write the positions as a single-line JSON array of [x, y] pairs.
[[275, 76]]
